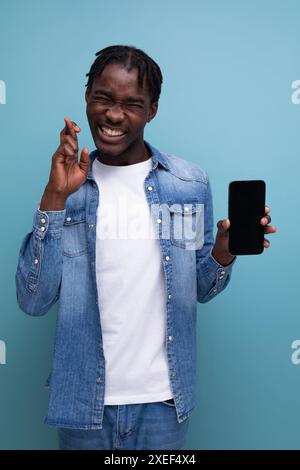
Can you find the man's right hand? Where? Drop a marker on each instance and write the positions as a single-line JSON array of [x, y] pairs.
[[67, 174]]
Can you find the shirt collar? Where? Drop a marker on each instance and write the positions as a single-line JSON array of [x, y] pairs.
[[156, 155]]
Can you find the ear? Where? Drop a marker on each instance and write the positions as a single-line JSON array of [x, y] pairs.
[[153, 111], [87, 94]]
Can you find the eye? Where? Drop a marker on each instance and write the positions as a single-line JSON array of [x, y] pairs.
[[102, 99], [135, 106]]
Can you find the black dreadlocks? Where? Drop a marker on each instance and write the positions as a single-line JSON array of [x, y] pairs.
[[130, 57]]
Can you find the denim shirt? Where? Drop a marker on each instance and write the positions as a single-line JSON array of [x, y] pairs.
[[57, 262]]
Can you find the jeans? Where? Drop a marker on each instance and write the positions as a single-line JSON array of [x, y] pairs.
[[130, 427]]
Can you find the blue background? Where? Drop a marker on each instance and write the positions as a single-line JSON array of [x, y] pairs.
[[226, 104]]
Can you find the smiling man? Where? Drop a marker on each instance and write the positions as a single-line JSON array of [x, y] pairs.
[[124, 365], [119, 105]]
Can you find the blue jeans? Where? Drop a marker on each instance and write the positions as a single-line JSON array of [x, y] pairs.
[[130, 427]]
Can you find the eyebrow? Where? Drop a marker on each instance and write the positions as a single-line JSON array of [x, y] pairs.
[[129, 99]]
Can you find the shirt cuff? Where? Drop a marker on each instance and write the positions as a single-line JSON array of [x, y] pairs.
[[48, 221], [215, 270], [217, 264]]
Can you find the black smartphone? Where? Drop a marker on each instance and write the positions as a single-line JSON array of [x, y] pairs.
[[246, 206]]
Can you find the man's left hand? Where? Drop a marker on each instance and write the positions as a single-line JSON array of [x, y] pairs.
[[220, 251]]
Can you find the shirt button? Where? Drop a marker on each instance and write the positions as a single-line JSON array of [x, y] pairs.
[[91, 225], [69, 219], [215, 290], [169, 296], [167, 258], [158, 221], [221, 277], [42, 229], [98, 380], [36, 261], [222, 272], [43, 221], [173, 374], [150, 188], [170, 338]]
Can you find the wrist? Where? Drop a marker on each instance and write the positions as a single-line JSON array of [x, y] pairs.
[[52, 201], [224, 258]]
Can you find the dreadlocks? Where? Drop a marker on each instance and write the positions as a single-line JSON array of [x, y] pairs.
[[130, 57]]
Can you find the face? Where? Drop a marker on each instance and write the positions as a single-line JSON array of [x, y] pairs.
[[118, 110]]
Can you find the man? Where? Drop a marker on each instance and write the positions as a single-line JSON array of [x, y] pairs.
[[124, 365]]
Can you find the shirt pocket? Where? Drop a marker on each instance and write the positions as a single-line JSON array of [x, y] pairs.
[[74, 234], [187, 225]]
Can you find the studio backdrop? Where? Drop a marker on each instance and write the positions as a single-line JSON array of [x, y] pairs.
[[230, 103]]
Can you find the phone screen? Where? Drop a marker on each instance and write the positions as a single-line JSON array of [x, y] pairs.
[[246, 206]]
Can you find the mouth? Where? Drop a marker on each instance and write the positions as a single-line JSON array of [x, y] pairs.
[[110, 134]]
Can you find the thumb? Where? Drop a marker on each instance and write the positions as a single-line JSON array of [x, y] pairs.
[[84, 160], [223, 226]]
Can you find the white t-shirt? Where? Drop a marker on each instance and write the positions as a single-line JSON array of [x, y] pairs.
[[131, 288]]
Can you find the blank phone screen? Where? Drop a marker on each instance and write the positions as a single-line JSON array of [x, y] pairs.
[[246, 206]]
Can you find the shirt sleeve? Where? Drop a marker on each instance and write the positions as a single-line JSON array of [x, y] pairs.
[[212, 277], [39, 268]]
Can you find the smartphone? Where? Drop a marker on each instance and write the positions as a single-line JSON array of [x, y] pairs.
[[246, 206]]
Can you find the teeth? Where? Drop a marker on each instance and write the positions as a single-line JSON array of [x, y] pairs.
[[111, 132]]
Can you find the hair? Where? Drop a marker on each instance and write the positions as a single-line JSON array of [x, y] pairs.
[[130, 57]]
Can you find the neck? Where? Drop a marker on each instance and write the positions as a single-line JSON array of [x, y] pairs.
[[137, 154]]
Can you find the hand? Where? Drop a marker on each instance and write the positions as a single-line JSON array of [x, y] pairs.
[[268, 228], [220, 251], [67, 175]]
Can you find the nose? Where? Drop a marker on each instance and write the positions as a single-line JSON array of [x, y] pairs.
[[115, 113]]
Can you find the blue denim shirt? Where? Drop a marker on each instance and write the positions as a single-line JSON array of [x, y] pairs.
[[57, 262]]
